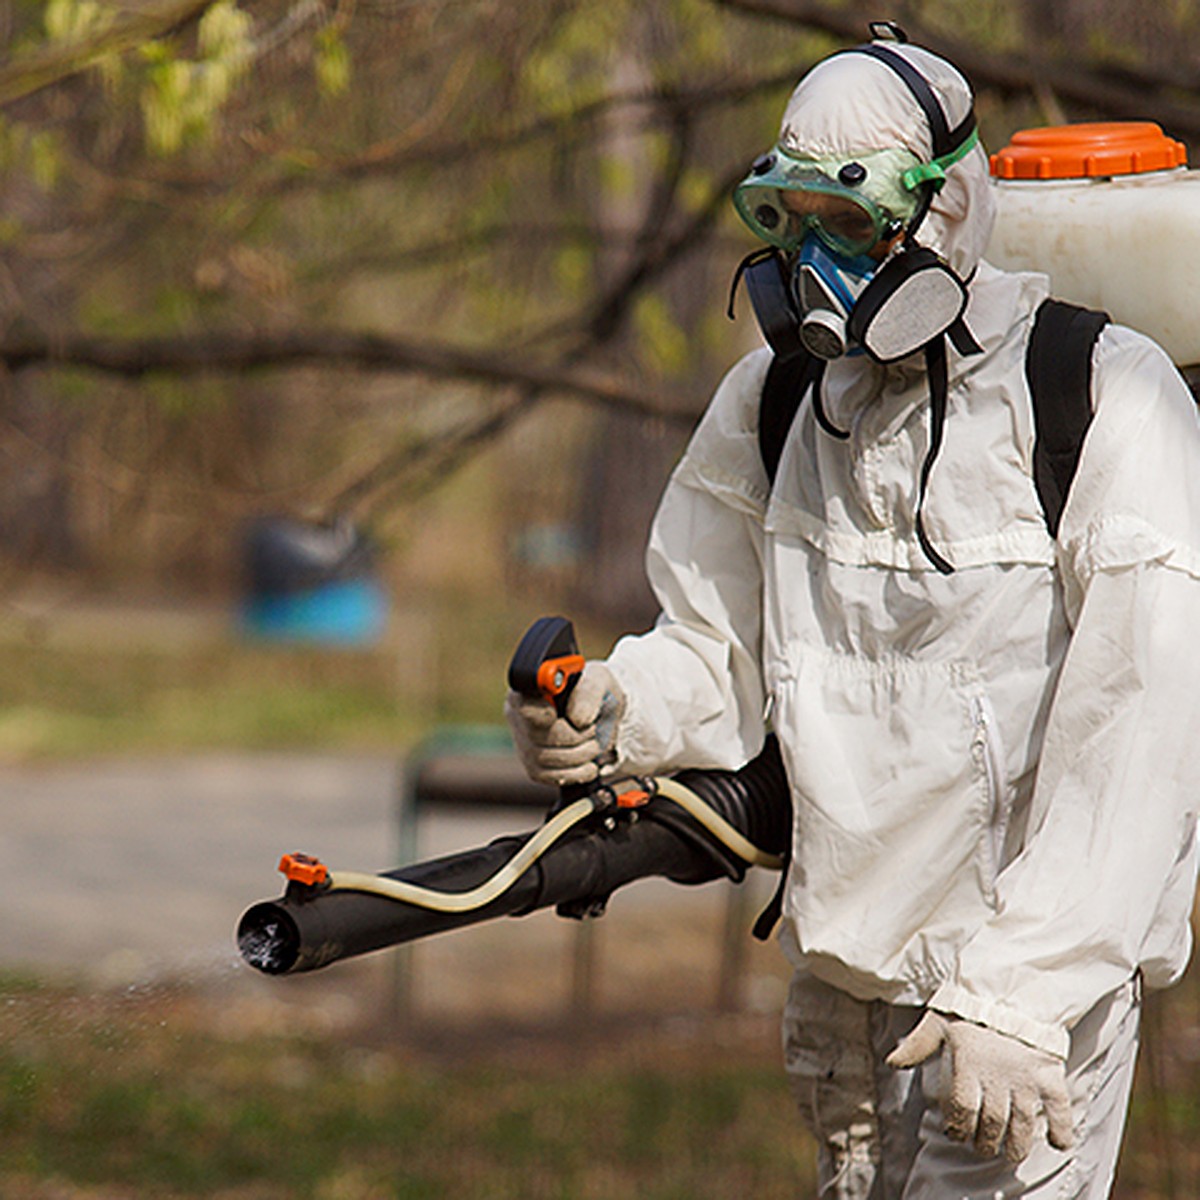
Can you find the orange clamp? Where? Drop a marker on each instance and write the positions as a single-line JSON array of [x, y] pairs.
[[634, 798], [303, 868]]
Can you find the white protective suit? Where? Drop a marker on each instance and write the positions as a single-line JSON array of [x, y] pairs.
[[994, 772]]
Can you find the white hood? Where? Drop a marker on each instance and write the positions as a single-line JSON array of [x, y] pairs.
[[852, 104]]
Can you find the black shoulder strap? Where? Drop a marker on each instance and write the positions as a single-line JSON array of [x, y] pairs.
[[787, 381], [1058, 368]]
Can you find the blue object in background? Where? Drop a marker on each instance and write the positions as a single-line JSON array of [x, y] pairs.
[[346, 613], [312, 582]]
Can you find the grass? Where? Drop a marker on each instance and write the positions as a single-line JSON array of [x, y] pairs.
[[137, 1095], [56, 703], [1161, 1155], [155, 1092]]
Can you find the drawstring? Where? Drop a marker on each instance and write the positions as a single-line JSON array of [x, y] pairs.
[[813, 377], [818, 404], [962, 338], [939, 386]]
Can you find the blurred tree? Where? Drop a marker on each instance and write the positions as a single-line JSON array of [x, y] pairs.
[[358, 189], [1157, 39], [316, 254]]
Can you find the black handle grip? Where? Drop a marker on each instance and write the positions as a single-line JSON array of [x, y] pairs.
[[547, 662]]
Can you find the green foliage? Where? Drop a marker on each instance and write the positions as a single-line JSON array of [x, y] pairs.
[[77, 20], [993, 23], [574, 268], [620, 178], [45, 160], [664, 345], [36, 153], [185, 401], [573, 63], [704, 44], [695, 190], [331, 61], [182, 98]]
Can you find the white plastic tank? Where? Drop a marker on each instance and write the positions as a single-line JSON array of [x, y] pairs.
[[1111, 213]]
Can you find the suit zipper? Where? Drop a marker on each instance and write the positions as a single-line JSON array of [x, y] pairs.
[[987, 733]]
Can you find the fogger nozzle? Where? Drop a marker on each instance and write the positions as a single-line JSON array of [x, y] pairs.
[[268, 938]]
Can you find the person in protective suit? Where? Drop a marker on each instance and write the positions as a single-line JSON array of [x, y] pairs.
[[989, 731]]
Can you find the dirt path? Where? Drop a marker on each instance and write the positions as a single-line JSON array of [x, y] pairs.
[[105, 863]]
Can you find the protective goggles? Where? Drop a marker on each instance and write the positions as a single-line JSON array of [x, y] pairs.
[[851, 204]]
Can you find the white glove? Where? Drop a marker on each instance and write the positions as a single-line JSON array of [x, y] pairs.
[[570, 749], [995, 1088]]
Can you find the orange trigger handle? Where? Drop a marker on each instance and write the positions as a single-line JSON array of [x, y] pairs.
[[556, 675]]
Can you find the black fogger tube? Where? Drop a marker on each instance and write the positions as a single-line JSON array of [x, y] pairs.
[[309, 927]]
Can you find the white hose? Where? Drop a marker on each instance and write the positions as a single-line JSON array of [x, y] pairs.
[[488, 890]]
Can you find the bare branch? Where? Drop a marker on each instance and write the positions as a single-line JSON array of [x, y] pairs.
[[413, 469], [391, 157], [234, 352], [659, 257], [1091, 86]]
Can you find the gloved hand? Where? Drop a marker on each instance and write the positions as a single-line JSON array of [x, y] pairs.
[[995, 1087], [570, 749]]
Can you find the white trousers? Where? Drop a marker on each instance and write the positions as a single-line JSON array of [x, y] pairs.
[[879, 1139]]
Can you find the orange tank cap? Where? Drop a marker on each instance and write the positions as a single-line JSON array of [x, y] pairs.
[[1088, 150]]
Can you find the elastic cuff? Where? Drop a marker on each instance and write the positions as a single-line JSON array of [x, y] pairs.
[[957, 1001]]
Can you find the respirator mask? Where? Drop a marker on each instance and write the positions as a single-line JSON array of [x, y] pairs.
[[842, 271]]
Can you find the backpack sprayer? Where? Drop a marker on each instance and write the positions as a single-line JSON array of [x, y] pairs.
[[692, 827]]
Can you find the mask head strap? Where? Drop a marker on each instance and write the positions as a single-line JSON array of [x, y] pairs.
[[946, 141], [950, 145]]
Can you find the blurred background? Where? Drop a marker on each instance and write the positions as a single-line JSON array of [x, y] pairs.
[[340, 339]]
